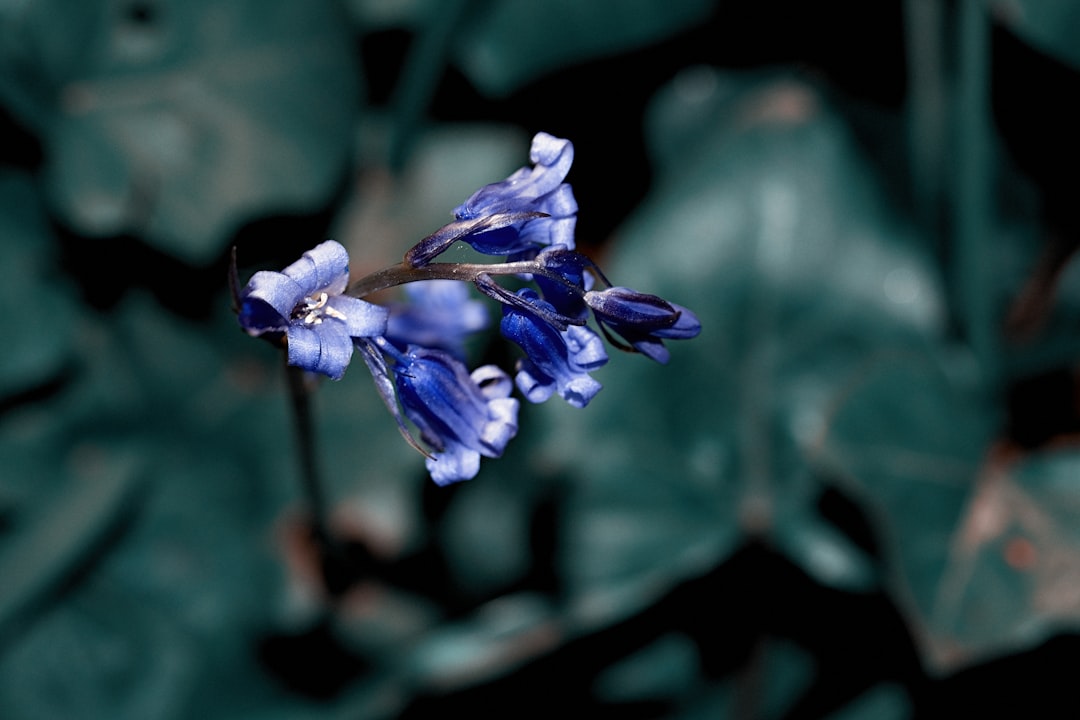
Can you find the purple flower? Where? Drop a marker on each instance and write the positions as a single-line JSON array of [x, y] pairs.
[[439, 314], [536, 189], [528, 211], [644, 321], [304, 304], [554, 361], [565, 292], [461, 416]]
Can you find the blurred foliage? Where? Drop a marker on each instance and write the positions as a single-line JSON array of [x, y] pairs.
[[1049, 25], [176, 121], [834, 503], [511, 43], [33, 358], [760, 201]]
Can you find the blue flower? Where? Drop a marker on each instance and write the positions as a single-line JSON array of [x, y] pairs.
[[642, 320], [536, 189], [528, 211], [439, 314], [555, 361], [565, 292], [304, 303], [461, 416]]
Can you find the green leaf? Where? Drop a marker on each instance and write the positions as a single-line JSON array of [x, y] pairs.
[[1052, 26], [781, 672], [881, 702], [1010, 582], [981, 539], [60, 532], [38, 344], [102, 655], [176, 122], [508, 43], [908, 438], [766, 222]]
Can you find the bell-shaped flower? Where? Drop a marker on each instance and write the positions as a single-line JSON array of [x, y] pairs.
[[565, 291], [305, 304], [537, 189], [643, 320], [554, 361], [461, 416], [438, 314]]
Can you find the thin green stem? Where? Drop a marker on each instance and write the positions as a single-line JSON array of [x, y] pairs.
[[974, 257], [303, 423], [424, 66], [466, 272], [927, 111]]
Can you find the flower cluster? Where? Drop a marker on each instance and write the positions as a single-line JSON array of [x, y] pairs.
[[415, 350]]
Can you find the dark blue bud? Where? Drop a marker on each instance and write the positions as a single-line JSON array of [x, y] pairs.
[[555, 361], [642, 320]]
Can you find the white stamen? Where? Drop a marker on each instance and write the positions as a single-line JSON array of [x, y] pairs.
[[334, 313], [312, 308]]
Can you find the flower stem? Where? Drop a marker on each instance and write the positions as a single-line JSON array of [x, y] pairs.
[[466, 272], [300, 395], [973, 222]]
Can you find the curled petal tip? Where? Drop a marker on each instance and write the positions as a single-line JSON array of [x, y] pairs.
[[304, 303]]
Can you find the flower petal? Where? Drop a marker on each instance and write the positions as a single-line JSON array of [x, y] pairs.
[[687, 326], [552, 157], [620, 306], [384, 384], [362, 319], [323, 268], [461, 416], [642, 320], [585, 347], [453, 465], [533, 384], [325, 348], [501, 428], [551, 355], [492, 382], [539, 190], [439, 314], [267, 302]]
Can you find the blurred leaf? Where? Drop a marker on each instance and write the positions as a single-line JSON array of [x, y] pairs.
[[381, 14], [102, 655], [388, 213], [497, 639], [909, 435], [666, 668], [1052, 26], [667, 671], [102, 595], [766, 222], [508, 43], [1013, 578], [58, 534], [38, 345], [177, 121], [1046, 302], [775, 678], [882, 702], [199, 409], [983, 544]]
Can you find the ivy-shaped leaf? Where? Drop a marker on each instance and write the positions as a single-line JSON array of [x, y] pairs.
[[178, 121], [907, 438], [765, 221], [507, 43]]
